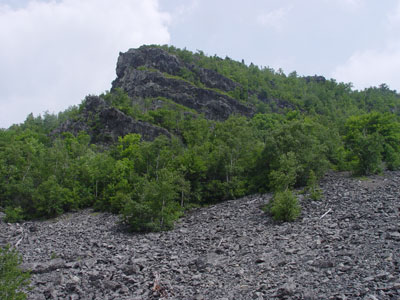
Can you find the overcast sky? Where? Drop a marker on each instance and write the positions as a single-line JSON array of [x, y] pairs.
[[54, 53]]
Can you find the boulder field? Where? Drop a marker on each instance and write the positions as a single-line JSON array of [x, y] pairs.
[[346, 246]]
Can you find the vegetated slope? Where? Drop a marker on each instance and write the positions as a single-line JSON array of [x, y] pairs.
[[105, 124], [269, 90], [346, 246], [161, 79], [153, 79], [181, 129]]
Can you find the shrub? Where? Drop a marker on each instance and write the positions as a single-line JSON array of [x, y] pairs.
[[285, 176], [12, 279], [154, 204], [315, 193], [312, 188], [372, 140], [291, 151], [13, 214], [367, 155], [52, 199], [285, 206]]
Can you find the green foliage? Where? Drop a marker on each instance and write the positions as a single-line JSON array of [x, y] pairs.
[[13, 214], [119, 99], [303, 126], [154, 204], [368, 155], [263, 124], [291, 151], [285, 176], [285, 206], [233, 149], [275, 91], [12, 279], [51, 199], [312, 187], [315, 193], [371, 140]]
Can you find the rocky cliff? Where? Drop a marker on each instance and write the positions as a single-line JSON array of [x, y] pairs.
[[105, 123], [153, 72], [161, 60]]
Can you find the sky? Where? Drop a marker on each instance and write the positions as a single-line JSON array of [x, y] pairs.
[[55, 52]]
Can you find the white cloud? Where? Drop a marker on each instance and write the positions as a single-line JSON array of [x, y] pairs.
[[371, 68], [348, 4], [353, 3], [275, 19], [376, 65], [393, 19], [184, 11], [54, 53]]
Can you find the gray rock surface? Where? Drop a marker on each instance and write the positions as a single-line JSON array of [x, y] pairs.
[[151, 83], [156, 58], [105, 123], [344, 247]]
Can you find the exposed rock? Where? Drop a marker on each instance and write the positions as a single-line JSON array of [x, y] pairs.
[[156, 58], [315, 78], [140, 84], [105, 123], [44, 267], [232, 250], [216, 106]]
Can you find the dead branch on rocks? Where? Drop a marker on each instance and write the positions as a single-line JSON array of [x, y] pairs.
[[329, 210]]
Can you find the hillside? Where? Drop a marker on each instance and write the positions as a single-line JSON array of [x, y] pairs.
[[152, 81], [180, 130], [167, 151], [346, 246]]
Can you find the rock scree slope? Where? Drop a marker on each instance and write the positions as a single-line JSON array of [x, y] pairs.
[[346, 246]]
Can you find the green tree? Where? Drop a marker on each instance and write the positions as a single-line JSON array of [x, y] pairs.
[[312, 187], [22, 169], [12, 279], [51, 199], [297, 144], [284, 177], [154, 205], [371, 140]]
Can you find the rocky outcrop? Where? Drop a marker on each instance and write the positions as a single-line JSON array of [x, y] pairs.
[[315, 78], [159, 77], [145, 84], [346, 246], [161, 60], [105, 123]]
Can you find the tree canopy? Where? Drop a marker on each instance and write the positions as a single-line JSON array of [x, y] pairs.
[[302, 127]]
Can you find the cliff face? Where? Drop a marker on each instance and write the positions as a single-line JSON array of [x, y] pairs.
[[153, 72], [161, 60], [105, 123]]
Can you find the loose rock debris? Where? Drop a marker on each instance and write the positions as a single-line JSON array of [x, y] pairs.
[[232, 250]]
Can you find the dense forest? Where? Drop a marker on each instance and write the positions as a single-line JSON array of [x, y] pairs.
[[301, 127]]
